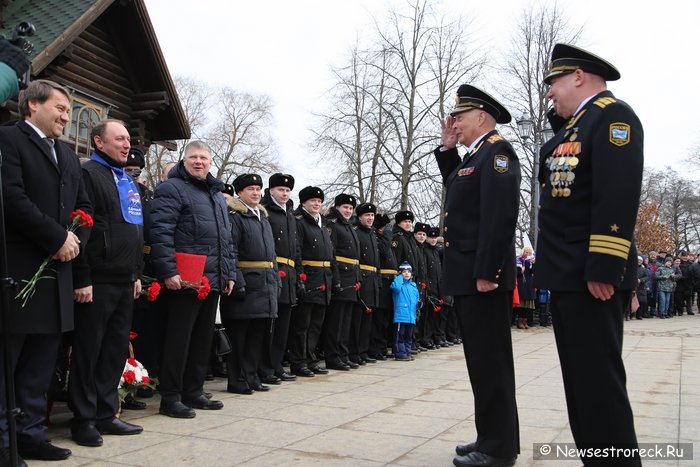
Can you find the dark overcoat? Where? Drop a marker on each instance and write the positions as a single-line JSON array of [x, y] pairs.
[[39, 196]]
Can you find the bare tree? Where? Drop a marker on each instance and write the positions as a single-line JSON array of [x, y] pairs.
[[382, 124], [525, 65]]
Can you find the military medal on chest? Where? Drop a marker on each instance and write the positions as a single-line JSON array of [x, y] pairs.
[[562, 164]]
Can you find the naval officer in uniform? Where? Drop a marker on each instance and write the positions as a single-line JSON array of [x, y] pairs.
[[591, 176], [481, 209]]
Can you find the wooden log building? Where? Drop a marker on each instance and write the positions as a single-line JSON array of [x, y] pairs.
[[107, 54]]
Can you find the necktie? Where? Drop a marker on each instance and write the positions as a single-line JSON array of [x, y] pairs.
[[51, 143], [466, 156]]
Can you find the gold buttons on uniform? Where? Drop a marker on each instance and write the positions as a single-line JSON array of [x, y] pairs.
[[445, 213], [447, 244]]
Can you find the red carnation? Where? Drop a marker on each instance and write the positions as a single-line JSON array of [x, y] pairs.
[[323, 287], [129, 377], [357, 286], [81, 219], [145, 379], [204, 289], [133, 335], [368, 311], [282, 273], [423, 285], [437, 309], [302, 277], [132, 361], [153, 291], [441, 301]]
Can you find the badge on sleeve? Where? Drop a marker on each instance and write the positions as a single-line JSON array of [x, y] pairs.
[[500, 164], [619, 133], [394, 244]]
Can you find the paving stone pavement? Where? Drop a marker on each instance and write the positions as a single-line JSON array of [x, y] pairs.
[[408, 413]]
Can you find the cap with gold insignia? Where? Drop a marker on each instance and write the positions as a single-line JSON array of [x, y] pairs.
[[135, 158], [470, 98], [434, 232], [403, 215], [364, 208], [568, 58], [345, 198], [279, 179], [245, 180], [310, 192], [228, 189]]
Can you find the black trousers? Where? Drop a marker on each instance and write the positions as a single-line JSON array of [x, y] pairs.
[[484, 320], [588, 334], [378, 334], [247, 337], [440, 325], [186, 346], [33, 361], [304, 333], [336, 330], [360, 328], [275, 344], [452, 328], [100, 350]]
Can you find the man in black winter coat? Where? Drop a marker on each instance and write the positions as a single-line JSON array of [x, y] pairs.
[[346, 283], [316, 251], [115, 259], [383, 313], [189, 217], [370, 283], [284, 231]]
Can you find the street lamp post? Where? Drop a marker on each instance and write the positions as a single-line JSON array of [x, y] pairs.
[[526, 129]]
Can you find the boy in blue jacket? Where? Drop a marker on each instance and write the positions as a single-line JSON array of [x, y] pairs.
[[406, 299]]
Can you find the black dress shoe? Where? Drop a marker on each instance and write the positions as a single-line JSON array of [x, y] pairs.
[[351, 364], [271, 379], [381, 357], [5, 458], [86, 435], [284, 376], [116, 426], [464, 449], [337, 365], [132, 404], [479, 459], [303, 372], [176, 409], [240, 389], [207, 394], [369, 359], [44, 451], [203, 403], [260, 388], [145, 393], [318, 370]]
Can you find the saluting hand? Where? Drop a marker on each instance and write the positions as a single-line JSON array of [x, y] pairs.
[[449, 135]]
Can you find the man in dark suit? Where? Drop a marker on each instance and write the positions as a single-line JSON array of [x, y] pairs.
[[42, 184], [481, 209], [591, 176]]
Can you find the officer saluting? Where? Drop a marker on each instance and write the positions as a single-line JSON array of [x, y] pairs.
[[481, 209], [590, 174]]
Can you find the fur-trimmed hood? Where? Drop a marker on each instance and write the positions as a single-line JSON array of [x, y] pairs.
[[236, 205]]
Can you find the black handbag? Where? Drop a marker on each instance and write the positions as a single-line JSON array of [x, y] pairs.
[[222, 345]]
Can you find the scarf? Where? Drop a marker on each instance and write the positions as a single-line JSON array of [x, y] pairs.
[[129, 199]]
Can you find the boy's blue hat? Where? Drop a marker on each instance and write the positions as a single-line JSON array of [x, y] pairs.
[[406, 266]]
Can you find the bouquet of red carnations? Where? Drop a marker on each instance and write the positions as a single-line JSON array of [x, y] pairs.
[[79, 218]]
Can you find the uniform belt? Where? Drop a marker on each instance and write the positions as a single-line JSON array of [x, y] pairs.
[[287, 261], [367, 267], [315, 264], [393, 272], [345, 259], [256, 264], [147, 249]]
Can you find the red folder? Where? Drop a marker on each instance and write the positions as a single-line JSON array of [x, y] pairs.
[[190, 267]]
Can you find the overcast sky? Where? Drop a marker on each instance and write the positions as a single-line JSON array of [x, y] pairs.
[[286, 49]]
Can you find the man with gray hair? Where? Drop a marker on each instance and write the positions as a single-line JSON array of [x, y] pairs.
[[189, 216]]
